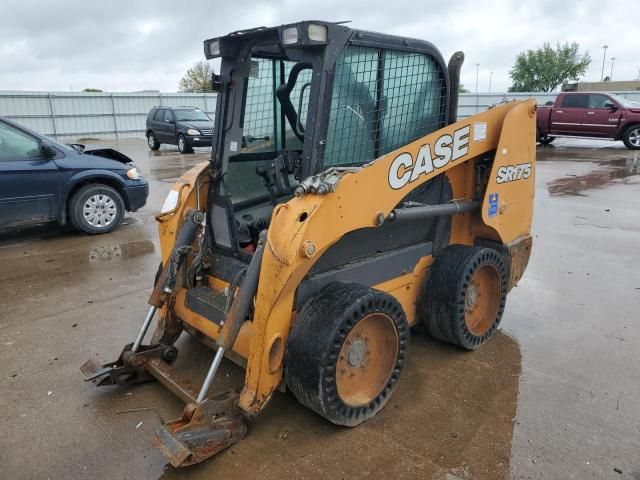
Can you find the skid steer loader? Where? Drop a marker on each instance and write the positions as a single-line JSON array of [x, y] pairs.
[[342, 205]]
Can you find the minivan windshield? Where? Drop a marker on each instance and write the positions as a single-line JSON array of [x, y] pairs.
[[190, 115]]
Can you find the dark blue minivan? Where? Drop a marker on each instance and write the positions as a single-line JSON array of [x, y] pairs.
[[42, 180]]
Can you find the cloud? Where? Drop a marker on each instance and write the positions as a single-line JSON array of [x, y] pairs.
[[119, 46]]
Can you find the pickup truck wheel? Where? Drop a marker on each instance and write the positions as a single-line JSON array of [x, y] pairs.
[[183, 146], [546, 140], [96, 208], [631, 137], [152, 141]]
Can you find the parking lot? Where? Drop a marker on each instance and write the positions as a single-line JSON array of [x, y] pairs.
[[555, 395]]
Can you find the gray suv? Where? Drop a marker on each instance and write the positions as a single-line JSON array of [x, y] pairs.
[[186, 127]]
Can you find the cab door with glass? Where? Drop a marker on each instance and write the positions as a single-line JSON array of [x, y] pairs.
[[261, 171], [602, 116], [29, 182], [568, 118]]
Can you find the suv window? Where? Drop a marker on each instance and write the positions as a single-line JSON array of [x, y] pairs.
[[597, 101], [168, 116], [373, 114], [15, 145], [575, 101], [186, 115], [159, 116]]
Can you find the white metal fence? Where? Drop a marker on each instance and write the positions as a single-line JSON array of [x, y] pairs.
[[71, 116], [67, 115]]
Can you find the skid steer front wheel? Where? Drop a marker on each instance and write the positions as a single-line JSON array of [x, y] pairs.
[[346, 351], [465, 295]]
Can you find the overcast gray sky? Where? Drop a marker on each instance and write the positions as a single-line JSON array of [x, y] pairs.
[[145, 44]]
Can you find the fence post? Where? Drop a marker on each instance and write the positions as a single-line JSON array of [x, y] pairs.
[[53, 116], [115, 123]]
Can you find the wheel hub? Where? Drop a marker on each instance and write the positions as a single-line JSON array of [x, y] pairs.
[[482, 300], [472, 296], [99, 210], [357, 353], [366, 359]]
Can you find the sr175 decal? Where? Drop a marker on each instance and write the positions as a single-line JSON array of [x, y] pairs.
[[511, 173]]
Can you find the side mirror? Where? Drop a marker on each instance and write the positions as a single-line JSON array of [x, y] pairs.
[[611, 106], [48, 151]]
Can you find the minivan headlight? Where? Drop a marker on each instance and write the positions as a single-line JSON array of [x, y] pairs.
[[133, 173], [193, 131]]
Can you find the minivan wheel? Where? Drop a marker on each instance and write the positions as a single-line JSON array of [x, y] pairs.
[[96, 208], [631, 137], [183, 147], [152, 141]]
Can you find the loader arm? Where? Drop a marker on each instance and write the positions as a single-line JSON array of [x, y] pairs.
[[306, 226]]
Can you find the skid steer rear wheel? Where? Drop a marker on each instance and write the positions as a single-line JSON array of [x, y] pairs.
[[346, 351], [465, 295]]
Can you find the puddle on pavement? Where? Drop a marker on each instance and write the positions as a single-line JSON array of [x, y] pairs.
[[169, 166], [606, 173], [107, 253], [452, 417], [48, 264]]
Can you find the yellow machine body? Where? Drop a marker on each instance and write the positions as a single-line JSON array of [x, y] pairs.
[[302, 229]]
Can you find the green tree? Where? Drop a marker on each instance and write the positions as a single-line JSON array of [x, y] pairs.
[[92, 90], [461, 89], [546, 68], [197, 79]]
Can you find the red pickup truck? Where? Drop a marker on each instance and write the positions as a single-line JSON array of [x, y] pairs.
[[594, 115]]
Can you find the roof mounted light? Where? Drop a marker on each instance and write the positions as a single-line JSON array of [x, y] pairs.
[[214, 48], [317, 33], [290, 36]]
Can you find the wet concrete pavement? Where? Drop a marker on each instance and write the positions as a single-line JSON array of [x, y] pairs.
[[555, 395]]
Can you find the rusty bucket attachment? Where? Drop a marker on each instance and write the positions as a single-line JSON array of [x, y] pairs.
[[205, 429]]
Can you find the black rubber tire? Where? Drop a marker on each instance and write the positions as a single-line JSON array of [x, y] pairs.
[[546, 140], [183, 146], [80, 197], [152, 141], [627, 134], [446, 294], [317, 335]]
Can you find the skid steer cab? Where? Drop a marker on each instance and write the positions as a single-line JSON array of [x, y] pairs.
[[343, 204]]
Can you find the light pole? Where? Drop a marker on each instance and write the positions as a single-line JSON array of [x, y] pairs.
[[490, 75], [604, 56], [477, 70], [613, 59], [638, 72]]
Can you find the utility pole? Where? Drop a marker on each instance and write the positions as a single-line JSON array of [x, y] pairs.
[[490, 75], [638, 72], [613, 59], [477, 70], [604, 56]]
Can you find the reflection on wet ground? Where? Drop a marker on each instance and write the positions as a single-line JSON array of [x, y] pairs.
[[168, 165], [606, 172], [451, 417], [555, 395]]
